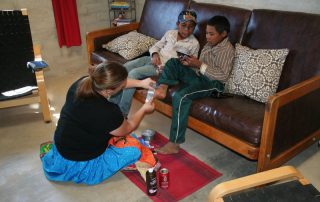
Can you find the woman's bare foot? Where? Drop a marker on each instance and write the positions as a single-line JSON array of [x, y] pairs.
[[169, 148], [161, 91]]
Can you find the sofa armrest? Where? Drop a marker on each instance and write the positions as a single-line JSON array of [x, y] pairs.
[[295, 92], [291, 123], [108, 32]]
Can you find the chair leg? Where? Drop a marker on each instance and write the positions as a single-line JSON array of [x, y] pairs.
[[43, 96]]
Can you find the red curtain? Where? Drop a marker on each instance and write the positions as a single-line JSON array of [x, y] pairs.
[[66, 16]]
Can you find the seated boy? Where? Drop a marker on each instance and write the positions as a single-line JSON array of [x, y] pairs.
[[200, 78], [181, 40]]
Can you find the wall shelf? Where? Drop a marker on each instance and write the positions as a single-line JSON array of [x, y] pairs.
[[122, 12]]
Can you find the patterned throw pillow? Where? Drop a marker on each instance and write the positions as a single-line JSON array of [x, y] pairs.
[[130, 45], [256, 73]]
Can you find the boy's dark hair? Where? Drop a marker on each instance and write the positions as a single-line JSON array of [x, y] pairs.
[[221, 23]]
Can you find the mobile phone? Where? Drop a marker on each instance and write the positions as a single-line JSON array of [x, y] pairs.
[[182, 55], [150, 95]]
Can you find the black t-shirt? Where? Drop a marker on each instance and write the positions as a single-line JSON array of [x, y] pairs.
[[83, 128]]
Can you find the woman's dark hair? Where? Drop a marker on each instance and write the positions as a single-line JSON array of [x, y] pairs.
[[107, 75], [221, 23]]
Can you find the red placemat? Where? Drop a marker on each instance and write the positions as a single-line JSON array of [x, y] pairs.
[[187, 174]]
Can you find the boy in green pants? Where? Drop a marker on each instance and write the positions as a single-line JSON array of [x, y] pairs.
[[199, 78]]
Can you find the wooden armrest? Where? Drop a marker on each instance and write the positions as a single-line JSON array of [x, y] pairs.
[[294, 92], [258, 179], [91, 36], [37, 52]]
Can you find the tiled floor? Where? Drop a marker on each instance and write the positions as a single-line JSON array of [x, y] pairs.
[[22, 130]]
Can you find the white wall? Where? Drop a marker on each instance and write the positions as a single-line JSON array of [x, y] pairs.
[[308, 6], [93, 14]]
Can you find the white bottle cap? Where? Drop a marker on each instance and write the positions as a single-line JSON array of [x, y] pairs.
[[150, 170]]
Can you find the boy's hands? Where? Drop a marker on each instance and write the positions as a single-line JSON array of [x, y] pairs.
[[191, 61], [155, 60]]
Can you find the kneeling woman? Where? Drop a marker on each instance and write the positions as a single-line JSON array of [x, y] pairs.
[[88, 121]]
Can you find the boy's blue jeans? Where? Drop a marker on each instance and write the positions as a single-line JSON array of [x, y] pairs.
[[137, 69]]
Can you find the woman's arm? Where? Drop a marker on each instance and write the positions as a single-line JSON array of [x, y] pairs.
[[133, 122]]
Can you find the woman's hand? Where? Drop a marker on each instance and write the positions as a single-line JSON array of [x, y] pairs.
[[191, 61], [148, 107], [147, 83]]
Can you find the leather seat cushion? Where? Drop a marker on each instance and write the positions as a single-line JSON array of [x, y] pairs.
[[237, 115]]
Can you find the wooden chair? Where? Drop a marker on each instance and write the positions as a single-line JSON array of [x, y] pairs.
[[16, 49], [291, 186]]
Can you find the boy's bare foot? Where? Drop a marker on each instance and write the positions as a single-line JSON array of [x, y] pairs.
[[161, 91], [169, 148]]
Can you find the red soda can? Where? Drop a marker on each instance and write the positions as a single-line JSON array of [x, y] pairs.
[[164, 178]]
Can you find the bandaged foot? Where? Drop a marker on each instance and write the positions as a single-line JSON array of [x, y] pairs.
[[161, 92], [169, 148], [142, 167]]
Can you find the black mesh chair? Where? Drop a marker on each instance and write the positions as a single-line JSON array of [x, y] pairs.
[[16, 49], [285, 184]]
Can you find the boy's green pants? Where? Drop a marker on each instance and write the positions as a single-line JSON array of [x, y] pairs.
[[193, 86]]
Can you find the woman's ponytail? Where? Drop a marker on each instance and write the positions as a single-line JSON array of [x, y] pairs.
[[85, 88], [107, 75]]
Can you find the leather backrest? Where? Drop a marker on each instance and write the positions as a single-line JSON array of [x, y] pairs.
[[159, 16], [237, 17], [299, 32]]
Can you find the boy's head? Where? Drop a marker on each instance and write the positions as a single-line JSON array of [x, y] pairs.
[[187, 21], [218, 28]]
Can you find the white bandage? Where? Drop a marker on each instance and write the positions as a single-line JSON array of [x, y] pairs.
[[203, 68]]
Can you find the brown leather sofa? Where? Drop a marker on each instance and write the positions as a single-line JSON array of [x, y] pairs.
[[270, 133]]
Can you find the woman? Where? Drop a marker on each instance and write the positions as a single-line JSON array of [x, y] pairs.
[[80, 152]]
